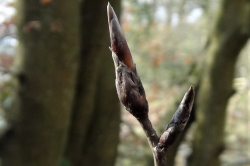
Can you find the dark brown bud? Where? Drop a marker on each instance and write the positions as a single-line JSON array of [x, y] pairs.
[[178, 121], [118, 42]]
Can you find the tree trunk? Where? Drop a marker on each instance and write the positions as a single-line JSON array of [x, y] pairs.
[[226, 41], [103, 133], [94, 129], [48, 52]]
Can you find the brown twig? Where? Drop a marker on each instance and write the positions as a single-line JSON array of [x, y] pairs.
[[132, 95]]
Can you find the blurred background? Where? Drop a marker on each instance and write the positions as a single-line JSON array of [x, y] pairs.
[[58, 103]]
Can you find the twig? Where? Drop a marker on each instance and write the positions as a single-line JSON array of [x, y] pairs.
[[132, 95]]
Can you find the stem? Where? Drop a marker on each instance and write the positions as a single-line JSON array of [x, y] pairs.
[[132, 95], [160, 157]]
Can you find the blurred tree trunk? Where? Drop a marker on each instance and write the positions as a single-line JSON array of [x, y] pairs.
[[48, 52], [229, 36], [94, 131]]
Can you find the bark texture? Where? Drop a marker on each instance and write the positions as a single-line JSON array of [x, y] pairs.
[[48, 52], [94, 131], [229, 36]]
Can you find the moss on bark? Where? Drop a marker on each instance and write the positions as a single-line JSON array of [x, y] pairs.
[[226, 41]]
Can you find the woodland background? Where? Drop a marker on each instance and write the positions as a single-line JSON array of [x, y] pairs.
[[58, 102]]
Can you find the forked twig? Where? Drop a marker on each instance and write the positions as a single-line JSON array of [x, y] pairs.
[[132, 95]]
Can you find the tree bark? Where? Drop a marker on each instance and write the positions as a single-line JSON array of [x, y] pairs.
[[103, 133], [229, 36], [48, 60], [94, 130]]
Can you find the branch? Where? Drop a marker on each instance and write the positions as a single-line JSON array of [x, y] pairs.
[[175, 127], [132, 95], [178, 121]]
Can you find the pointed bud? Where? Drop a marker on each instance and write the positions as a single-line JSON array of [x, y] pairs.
[[118, 42]]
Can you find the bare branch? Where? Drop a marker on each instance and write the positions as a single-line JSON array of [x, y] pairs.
[[178, 121], [132, 95], [128, 84]]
